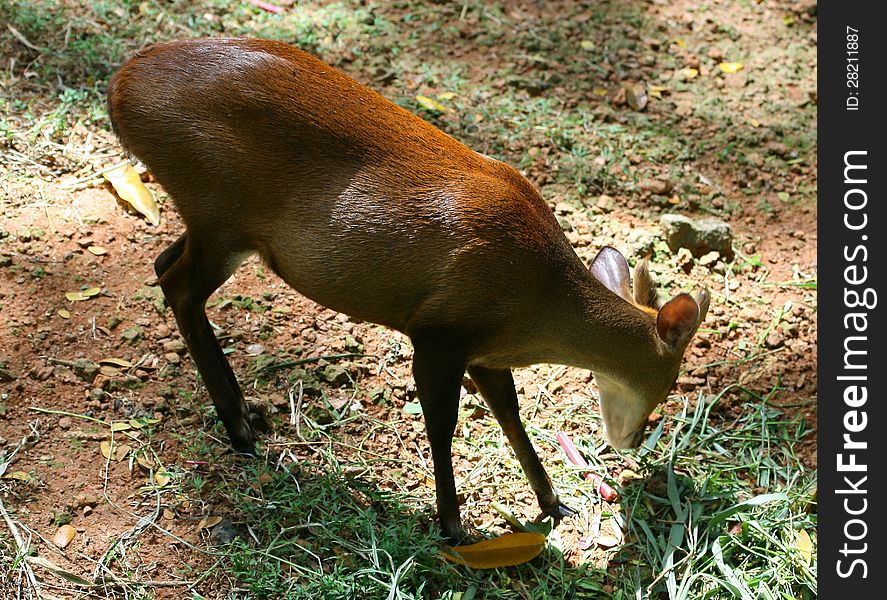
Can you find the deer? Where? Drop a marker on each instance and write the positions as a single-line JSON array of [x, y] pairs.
[[369, 210]]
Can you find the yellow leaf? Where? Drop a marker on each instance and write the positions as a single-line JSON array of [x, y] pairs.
[[431, 104], [129, 187], [788, 20], [120, 426], [730, 67], [19, 476], [689, 73], [97, 250], [105, 448], [587, 45], [75, 296], [64, 313], [64, 536], [754, 123], [599, 91], [446, 96], [656, 91], [804, 545], [680, 42], [506, 551]]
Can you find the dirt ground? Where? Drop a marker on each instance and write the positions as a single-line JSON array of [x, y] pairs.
[[117, 355]]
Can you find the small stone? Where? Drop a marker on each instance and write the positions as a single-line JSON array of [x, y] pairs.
[[172, 358], [86, 369], [336, 375], [65, 422], [177, 346], [605, 203], [87, 510], [775, 339], [709, 259], [223, 533], [698, 236], [43, 373], [132, 334], [97, 394]]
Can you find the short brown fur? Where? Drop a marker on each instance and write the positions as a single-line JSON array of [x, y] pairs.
[[371, 211]]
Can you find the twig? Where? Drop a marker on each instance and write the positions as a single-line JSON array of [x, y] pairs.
[[304, 361]]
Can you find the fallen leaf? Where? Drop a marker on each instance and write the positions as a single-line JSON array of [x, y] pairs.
[[784, 196], [680, 42], [730, 67], [117, 362], [657, 90], [64, 313], [446, 96], [208, 522], [599, 91], [105, 448], [39, 561], [18, 476], [97, 250], [146, 462], [804, 545], [108, 371], [506, 551], [162, 478], [689, 73], [431, 104], [121, 451], [142, 422], [607, 541], [64, 536], [129, 187], [587, 45], [754, 122], [80, 295]]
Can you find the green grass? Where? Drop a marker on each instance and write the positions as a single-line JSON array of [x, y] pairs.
[[718, 503]]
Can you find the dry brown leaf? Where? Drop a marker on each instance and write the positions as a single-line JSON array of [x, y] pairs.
[[117, 362], [505, 551], [208, 522], [121, 451], [129, 187], [146, 462], [109, 371], [162, 478], [64, 536]]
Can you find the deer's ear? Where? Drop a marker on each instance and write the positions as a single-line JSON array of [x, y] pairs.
[[677, 320], [645, 293], [610, 268]]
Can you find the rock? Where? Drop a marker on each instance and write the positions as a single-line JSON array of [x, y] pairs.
[[65, 422], [86, 369], [97, 394], [177, 346], [64, 535], [775, 339], [605, 203], [641, 242], [172, 358], [223, 533], [7, 375], [698, 236], [336, 375], [132, 334], [709, 259], [684, 259]]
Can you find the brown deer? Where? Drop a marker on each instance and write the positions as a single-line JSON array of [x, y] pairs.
[[371, 211]]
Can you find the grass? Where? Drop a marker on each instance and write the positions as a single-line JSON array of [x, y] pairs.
[[711, 507]]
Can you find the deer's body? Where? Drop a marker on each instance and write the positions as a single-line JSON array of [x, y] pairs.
[[370, 211]]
